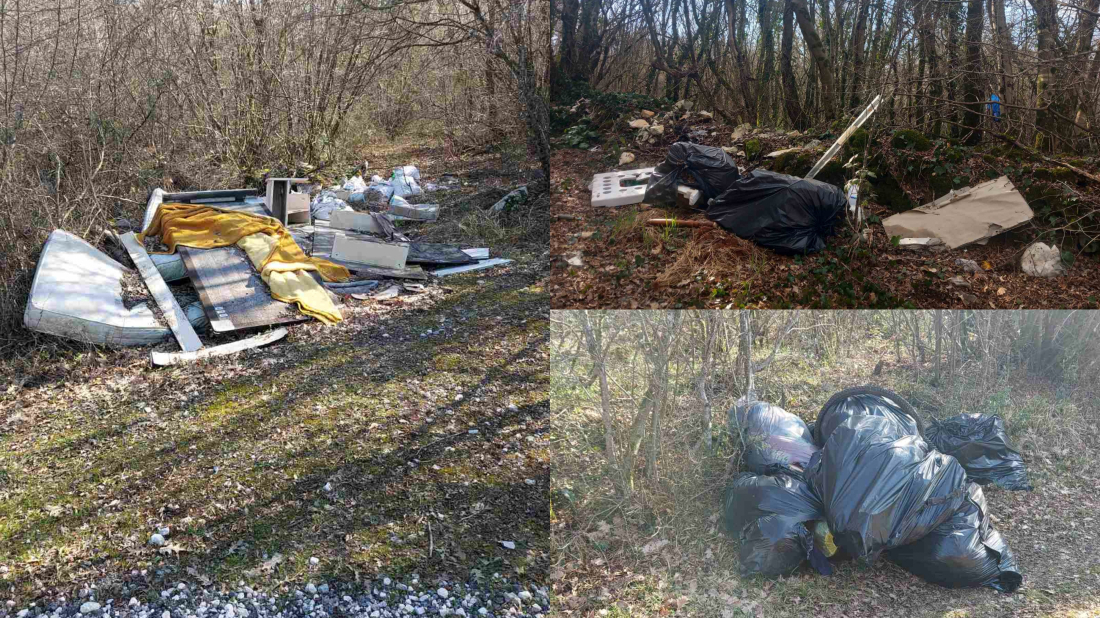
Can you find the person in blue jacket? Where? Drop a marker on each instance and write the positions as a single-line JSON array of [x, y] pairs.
[[995, 107]]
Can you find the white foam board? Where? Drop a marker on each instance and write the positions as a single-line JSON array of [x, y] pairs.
[[608, 189]]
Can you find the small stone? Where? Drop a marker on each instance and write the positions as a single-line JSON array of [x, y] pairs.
[[387, 581], [443, 593], [133, 602], [23, 613], [483, 611], [626, 157], [648, 114], [526, 596], [706, 115], [323, 588], [311, 589], [314, 560], [229, 612], [657, 129], [156, 540], [458, 397], [166, 614], [328, 487], [89, 607], [165, 531], [513, 407], [639, 124], [508, 544], [575, 260], [181, 586]]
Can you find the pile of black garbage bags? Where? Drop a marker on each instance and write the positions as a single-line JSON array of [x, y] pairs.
[[783, 213], [867, 479]]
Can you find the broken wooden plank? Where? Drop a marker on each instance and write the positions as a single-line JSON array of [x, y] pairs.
[[161, 359], [233, 294], [454, 270], [188, 339], [372, 252]]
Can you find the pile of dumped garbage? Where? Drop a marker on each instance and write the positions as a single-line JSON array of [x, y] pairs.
[[868, 479], [238, 261], [780, 212]]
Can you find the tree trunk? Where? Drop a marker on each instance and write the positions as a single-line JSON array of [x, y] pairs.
[[1046, 85], [569, 12], [744, 354], [821, 60], [790, 90], [858, 44], [972, 88], [1006, 51]]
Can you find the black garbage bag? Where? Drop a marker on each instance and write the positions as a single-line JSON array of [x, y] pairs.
[[772, 439], [981, 445], [708, 168], [882, 489], [866, 401], [782, 213], [965, 551], [769, 514]]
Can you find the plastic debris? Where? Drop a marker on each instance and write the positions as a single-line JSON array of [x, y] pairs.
[[779, 212], [771, 438], [981, 445], [707, 168]]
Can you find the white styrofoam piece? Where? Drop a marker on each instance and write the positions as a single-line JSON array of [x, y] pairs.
[[77, 293], [477, 254], [608, 189], [370, 252], [454, 270]]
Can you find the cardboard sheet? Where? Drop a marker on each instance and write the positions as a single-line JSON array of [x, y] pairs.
[[965, 216]]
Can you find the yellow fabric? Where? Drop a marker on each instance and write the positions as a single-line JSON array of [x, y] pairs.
[[206, 227], [289, 281]]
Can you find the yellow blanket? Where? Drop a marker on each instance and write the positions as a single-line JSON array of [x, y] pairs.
[[270, 248]]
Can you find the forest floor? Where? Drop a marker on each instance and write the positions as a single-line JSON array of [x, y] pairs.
[[408, 439], [626, 265], [665, 553]]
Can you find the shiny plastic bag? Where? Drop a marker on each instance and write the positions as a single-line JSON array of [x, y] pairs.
[[981, 445], [965, 551], [779, 212], [707, 168], [866, 401], [882, 489], [772, 439], [768, 514]]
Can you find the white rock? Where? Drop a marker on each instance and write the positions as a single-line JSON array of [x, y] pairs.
[[639, 124], [526, 596], [387, 581], [443, 593], [166, 614], [1041, 260], [23, 613], [156, 540], [89, 607], [626, 157], [513, 407], [508, 544], [165, 531], [314, 560], [311, 589], [229, 612], [133, 602], [657, 129], [328, 486], [323, 588], [483, 611]]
